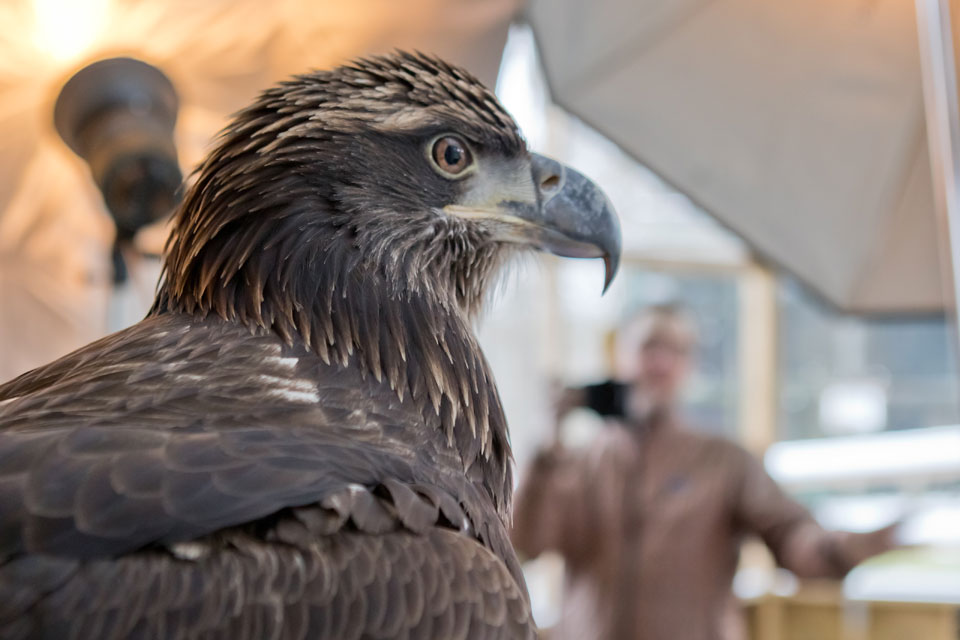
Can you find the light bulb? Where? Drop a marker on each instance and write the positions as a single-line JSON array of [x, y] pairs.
[[67, 29]]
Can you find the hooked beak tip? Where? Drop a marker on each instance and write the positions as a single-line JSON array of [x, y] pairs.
[[610, 264]]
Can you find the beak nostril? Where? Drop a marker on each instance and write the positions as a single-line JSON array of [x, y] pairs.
[[552, 183]]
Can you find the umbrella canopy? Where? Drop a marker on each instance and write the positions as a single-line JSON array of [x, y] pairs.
[[800, 126]]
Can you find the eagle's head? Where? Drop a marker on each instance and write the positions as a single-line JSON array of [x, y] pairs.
[[364, 212], [409, 162]]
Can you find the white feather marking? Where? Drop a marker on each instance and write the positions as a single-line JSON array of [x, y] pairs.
[[293, 389], [285, 363], [189, 550]]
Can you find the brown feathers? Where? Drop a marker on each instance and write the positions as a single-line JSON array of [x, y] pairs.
[[315, 218], [302, 439]]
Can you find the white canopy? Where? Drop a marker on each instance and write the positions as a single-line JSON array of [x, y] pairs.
[[799, 125]]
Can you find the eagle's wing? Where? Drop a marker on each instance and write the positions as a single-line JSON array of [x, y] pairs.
[[104, 453], [349, 584], [169, 431]]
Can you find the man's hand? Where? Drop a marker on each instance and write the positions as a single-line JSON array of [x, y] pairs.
[[859, 547], [565, 400]]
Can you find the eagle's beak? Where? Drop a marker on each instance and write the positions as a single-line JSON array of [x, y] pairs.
[[574, 218], [546, 205]]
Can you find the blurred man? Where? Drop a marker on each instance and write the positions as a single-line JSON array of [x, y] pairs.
[[650, 518]]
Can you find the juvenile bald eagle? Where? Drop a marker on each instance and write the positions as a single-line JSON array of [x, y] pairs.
[[302, 439]]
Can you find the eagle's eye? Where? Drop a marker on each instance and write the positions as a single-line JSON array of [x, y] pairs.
[[451, 156]]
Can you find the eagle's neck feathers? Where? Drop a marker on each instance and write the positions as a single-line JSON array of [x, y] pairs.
[[285, 231], [293, 270]]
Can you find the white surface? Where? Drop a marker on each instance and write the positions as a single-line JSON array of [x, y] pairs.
[[915, 455], [853, 406]]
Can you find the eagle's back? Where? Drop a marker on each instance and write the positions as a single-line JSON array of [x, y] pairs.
[[189, 474]]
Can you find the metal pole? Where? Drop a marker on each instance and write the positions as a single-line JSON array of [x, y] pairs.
[[939, 73]]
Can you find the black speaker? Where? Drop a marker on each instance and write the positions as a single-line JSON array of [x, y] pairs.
[[119, 115]]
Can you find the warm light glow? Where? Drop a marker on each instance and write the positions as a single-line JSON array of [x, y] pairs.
[[66, 29]]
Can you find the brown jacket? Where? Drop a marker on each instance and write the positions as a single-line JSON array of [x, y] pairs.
[[650, 523]]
